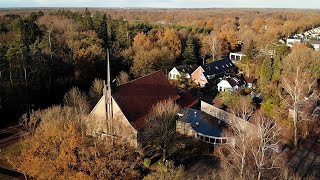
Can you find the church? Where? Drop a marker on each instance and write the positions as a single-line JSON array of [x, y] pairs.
[[121, 114]]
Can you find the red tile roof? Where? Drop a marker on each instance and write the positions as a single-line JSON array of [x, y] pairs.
[[137, 97]]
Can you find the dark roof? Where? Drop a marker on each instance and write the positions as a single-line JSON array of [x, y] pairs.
[[218, 67], [249, 79], [187, 100], [136, 98], [186, 68], [236, 80]]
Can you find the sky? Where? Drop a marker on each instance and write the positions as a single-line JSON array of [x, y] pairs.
[[309, 4]]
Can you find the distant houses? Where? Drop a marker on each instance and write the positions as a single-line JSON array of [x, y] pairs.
[[311, 37]]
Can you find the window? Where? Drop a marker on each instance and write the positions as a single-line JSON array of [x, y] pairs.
[[170, 75]]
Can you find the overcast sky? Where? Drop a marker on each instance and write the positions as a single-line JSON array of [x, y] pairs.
[[313, 4]]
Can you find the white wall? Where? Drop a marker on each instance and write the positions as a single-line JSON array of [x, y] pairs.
[[224, 85], [174, 74]]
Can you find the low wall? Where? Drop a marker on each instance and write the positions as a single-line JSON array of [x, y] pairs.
[[229, 118]]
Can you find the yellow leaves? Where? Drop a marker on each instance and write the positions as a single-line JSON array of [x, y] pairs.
[[142, 41]]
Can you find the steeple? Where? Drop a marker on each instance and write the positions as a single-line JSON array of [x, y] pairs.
[[108, 100]]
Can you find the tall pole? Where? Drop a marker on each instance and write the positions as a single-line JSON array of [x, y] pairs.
[[108, 95]]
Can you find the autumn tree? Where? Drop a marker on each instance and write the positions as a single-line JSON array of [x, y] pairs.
[[58, 150], [298, 81], [171, 39], [160, 126]]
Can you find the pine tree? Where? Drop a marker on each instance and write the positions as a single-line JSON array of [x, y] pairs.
[[276, 69], [189, 53], [266, 72], [103, 31]]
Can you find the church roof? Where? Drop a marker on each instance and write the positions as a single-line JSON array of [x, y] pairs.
[[137, 97]]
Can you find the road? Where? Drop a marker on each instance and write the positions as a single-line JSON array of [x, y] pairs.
[[9, 136]]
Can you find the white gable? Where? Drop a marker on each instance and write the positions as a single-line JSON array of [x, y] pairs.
[[224, 84], [174, 73]]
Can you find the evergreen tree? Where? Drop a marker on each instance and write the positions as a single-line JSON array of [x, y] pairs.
[[102, 31], [189, 53], [252, 50], [276, 69], [266, 72]]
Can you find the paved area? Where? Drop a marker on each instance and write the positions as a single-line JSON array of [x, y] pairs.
[[9, 136]]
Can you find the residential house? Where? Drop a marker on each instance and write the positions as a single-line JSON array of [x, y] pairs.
[[131, 103], [250, 82], [210, 73], [232, 83], [292, 40], [236, 56], [182, 71]]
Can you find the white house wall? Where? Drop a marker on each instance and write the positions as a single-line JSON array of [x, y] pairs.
[[174, 74], [224, 85]]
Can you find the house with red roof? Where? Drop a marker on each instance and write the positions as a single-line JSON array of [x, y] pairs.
[[131, 103]]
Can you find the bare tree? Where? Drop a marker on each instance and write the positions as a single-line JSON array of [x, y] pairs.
[[264, 145], [122, 78], [96, 91], [244, 108], [298, 82], [248, 155], [160, 126]]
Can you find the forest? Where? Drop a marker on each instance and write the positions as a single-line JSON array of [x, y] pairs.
[[58, 56], [45, 53]]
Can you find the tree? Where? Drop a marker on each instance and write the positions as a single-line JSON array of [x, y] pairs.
[[160, 126], [243, 107], [189, 52], [167, 171], [122, 78], [96, 91], [298, 81], [57, 150], [252, 157], [102, 31], [251, 50], [76, 99], [16, 56], [210, 45], [266, 72], [171, 39]]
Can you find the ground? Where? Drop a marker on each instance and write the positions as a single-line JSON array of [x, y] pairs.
[[9, 143]]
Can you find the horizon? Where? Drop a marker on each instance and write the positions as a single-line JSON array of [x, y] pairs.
[[164, 4]]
